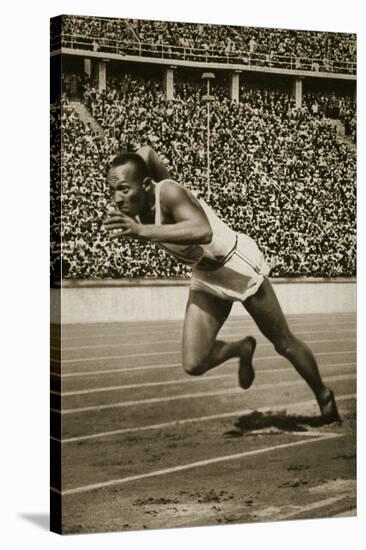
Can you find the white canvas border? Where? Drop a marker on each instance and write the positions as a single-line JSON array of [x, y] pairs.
[[24, 283]]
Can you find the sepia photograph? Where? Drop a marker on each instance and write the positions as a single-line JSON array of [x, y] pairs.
[[203, 274]]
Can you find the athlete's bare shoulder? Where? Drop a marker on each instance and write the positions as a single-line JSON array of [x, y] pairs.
[[172, 193], [177, 203]]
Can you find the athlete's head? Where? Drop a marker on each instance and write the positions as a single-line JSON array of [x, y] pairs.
[[129, 179]]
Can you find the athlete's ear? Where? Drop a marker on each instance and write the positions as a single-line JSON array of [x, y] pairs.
[[147, 184]]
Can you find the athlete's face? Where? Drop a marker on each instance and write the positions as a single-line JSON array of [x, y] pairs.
[[129, 192]]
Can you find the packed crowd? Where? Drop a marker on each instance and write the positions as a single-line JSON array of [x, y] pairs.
[[330, 105], [325, 46], [229, 39], [98, 27], [264, 44], [55, 194], [278, 174], [218, 38], [95, 33]]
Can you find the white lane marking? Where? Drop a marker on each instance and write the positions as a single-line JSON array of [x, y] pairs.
[[153, 400], [124, 369], [198, 464], [174, 365], [308, 507], [172, 352], [165, 328], [346, 514], [145, 385], [178, 340], [292, 406], [191, 380]]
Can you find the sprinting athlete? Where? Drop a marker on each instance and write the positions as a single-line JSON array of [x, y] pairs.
[[226, 267]]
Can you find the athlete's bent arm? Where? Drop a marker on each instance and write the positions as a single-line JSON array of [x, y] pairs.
[[158, 170], [188, 223]]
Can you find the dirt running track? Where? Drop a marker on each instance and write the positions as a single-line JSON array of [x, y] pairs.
[[146, 446]]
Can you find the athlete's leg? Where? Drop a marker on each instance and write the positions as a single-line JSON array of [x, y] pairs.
[[267, 313], [201, 351]]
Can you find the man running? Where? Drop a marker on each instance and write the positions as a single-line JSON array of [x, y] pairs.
[[226, 267]]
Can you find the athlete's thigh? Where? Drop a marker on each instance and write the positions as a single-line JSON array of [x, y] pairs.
[[205, 315], [266, 311]]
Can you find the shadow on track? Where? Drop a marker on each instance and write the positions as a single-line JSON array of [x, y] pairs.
[[269, 422]]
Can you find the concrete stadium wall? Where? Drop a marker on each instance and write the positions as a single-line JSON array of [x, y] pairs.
[[116, 301]]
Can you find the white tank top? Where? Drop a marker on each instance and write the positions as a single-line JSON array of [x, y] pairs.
[[202, 256]]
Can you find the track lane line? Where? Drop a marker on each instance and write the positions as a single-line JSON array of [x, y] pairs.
[[166, 399], [293, 407], [192, 465], [165, 328], [191, 380], [173, 365], [308, 508], [234, 317], [346, 514], [178, 340], [155, 353], [226, 329]]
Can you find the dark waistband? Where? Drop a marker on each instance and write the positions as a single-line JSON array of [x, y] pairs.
[[207, 264]]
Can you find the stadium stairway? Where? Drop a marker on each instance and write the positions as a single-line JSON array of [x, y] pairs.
[[339, 126], [86, 117]]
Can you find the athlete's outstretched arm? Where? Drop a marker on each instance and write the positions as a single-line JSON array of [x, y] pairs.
[[189, 223], [158, 170]]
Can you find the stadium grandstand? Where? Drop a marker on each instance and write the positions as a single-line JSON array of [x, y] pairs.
[[309, 50], [260, 122]]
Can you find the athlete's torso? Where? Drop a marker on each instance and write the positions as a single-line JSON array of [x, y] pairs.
[[202, 256]]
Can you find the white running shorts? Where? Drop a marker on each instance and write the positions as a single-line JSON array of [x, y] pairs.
[[239, 278]]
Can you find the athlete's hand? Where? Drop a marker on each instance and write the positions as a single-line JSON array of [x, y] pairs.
[[120, 225]]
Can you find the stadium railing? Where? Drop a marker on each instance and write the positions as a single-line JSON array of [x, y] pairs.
[[173, 52]]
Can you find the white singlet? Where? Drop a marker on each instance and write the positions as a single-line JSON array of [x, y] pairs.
[[230, 267], [203, 256]]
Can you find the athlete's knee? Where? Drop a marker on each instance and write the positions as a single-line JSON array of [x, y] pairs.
[[285, 344], [194, 367]]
